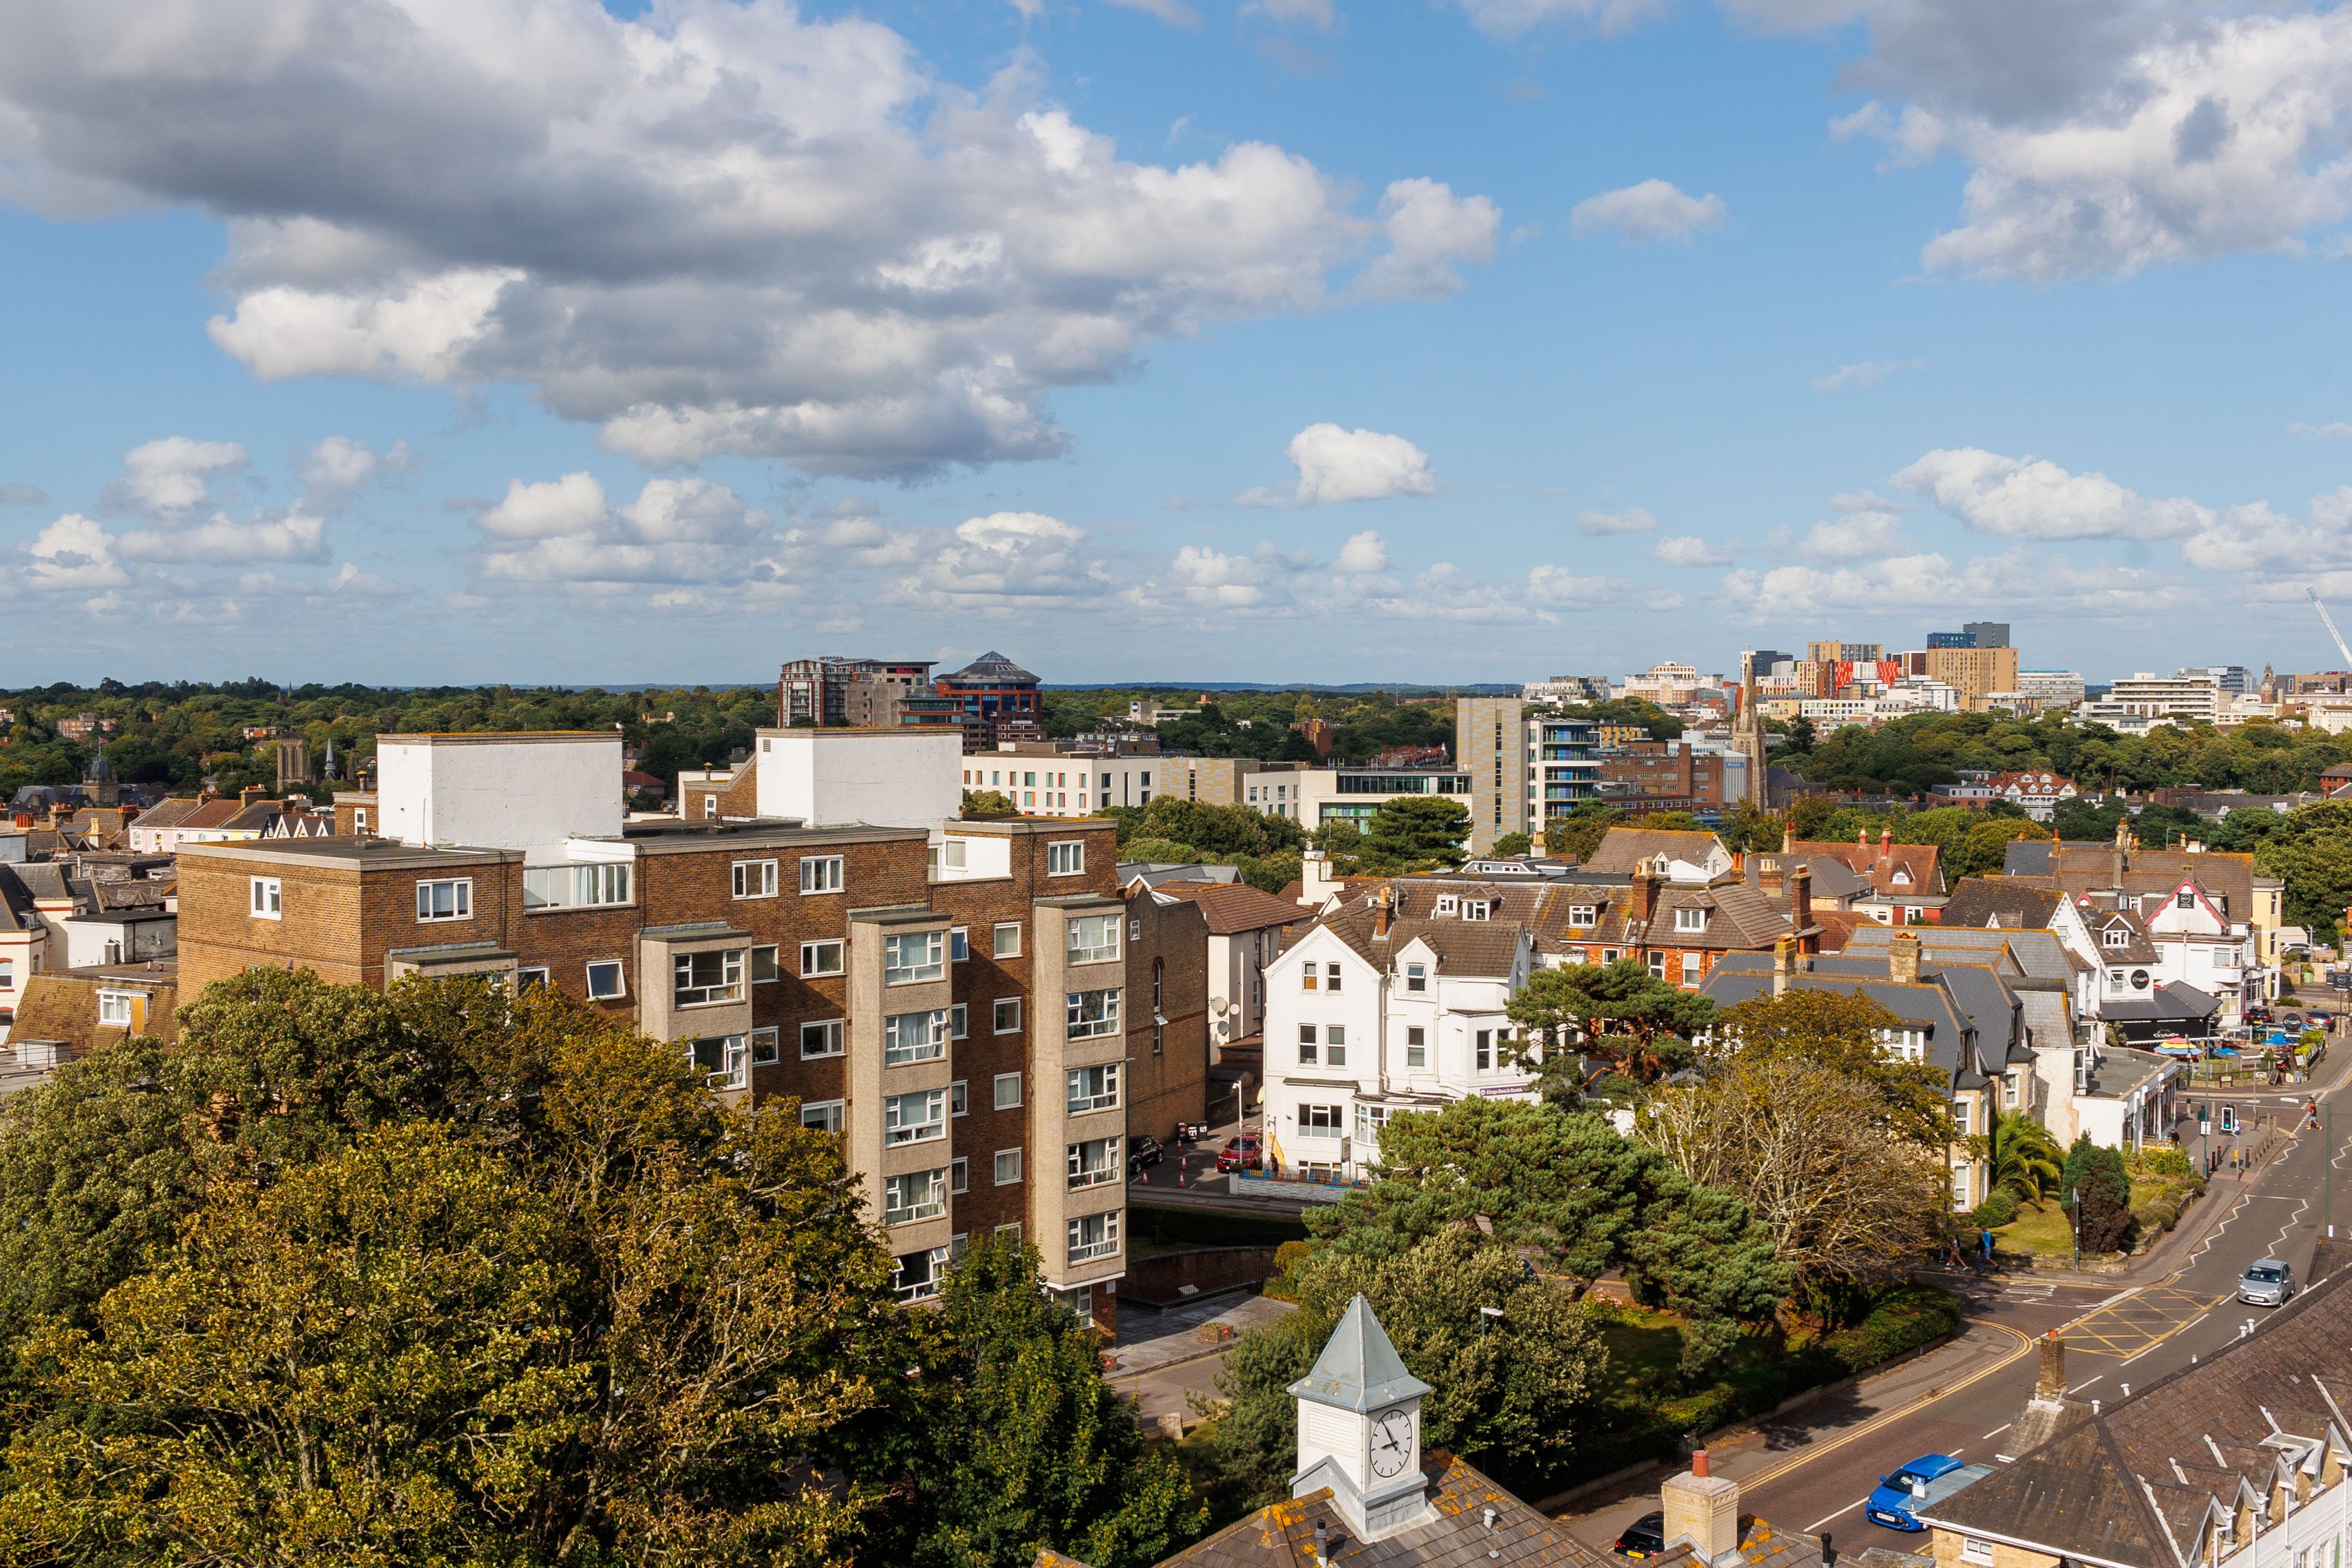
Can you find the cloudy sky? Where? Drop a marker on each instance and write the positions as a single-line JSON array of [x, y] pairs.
[[1439, 340]]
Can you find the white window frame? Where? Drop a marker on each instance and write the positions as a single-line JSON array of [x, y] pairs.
[[958, 1022], [1416, 1051], [114, 1009], [1092, 1163], [1321, 1122], [1105, 1245], [1335, 1045], [919, 1194], [1082, 1102], [917, 1037], [821, 873], [1477, 908], [1091, 1014], [997, 1012], [533, 977], [774, 964], [1583, 915], [727, 989], [620, 979], [959, 1178], [1008, 1175], [755, 879], [999, 946], [1688, 919], [959, 944], [1416, 978], [766, 1052], [814, 953], [1065, 858], [461, 899], [931, 966], [960, 1097], [267, 898], [929, 1109], [1975, 1549], [827, 1115], [831, 1034], [1003, 1081], [1104, 927]]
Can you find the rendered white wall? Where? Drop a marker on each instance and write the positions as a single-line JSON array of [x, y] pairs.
[[884, 778], [503, 792]]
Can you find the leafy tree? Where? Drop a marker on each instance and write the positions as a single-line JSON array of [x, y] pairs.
[[1271, 873], [1843, 1031], [1621, 1011], [2024, 1160], [1161, 850], [1807, 1149], [1749, 829], [1413, 833], [1565, 1183], [1661, 724], [1339, 839], [1510, 1395], [2095, 1179], [2311, 848], [1509, 845], [989, 803], [1023, 1443], [1668, 822], [1576, 835], [516, 1290]]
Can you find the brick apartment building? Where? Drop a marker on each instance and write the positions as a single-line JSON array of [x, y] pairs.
[[1663, 775], [974, 1005]]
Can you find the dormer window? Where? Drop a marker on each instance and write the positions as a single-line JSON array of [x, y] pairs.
[[1902, 878], [2118, 937], [1474, 908], [1416, 977], [1583, 915], [1690, 919], [1448, 904], [2184, 900]]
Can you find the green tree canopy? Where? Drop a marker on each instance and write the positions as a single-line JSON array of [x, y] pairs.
[[1621, 1011], [1576, 835], [1845, 1032], [1413, 833]]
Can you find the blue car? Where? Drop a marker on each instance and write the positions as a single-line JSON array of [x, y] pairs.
[[1896, 1495]]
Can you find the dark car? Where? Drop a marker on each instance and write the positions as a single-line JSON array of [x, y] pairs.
[[1645, 1537], [1142, 1151], [1240, 1155]]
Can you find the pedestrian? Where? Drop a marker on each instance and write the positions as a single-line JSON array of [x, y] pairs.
[[1985, 1242]]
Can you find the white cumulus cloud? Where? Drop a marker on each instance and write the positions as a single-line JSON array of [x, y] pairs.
[[1653, 209], [1339, 464], [1362, 556], [175, 476], [1687, 549], [719, 226], [2032, 498], [1632, 520]]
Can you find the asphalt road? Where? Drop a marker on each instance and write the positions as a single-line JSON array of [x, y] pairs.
[[2120, 1337]]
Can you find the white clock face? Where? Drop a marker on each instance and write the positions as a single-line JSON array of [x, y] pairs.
[[1391, 1442]]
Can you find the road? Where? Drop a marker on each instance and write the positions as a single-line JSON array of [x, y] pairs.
[[1812, 1470]]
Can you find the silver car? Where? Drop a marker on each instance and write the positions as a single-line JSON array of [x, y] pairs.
[[2268, 1283]]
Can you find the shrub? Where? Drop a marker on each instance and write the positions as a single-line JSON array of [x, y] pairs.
[[1905, 1317], [1996, 1210], [2159, 1159], [1288, 1258]]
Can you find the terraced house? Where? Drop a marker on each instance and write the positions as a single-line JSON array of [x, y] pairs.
[[972, 1004]]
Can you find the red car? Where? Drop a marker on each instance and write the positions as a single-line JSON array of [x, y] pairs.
[[1240, 1155]]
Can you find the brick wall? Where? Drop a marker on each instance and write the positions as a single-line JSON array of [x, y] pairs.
[[740, 797], [1168, 1065]]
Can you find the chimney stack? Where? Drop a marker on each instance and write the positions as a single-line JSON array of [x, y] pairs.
[[1784, 963], [2119, 858], [2052, 1384], [1902, 959], [1703, 1509], [1800, 904], [1382, 902], [1645, 894]]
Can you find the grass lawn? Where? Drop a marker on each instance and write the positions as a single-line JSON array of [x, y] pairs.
[[2047, 1231]]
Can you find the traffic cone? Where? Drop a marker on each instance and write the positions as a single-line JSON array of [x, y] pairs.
[[1180, 1170]]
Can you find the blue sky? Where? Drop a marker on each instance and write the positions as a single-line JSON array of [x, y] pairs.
[[1473, 340]]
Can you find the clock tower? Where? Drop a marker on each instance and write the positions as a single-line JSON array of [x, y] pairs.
[[1360, 1428]]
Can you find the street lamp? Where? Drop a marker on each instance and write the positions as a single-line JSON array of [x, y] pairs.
[[2075, 1209]]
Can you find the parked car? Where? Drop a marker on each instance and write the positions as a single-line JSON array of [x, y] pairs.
[[2268, 1283], [1142, 1151], [1240, 1155], [1908, 1489], [1645, 1537]]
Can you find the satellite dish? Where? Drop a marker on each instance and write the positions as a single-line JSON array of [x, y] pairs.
[[1219, 1006]]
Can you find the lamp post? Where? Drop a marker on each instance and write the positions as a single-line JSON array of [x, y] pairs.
[[2074, 1210]]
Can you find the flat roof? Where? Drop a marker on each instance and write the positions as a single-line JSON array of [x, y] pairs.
[[1011, 826], [496, 737], [360, 853]]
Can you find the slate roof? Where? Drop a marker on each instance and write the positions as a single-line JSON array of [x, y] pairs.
[[2077, 867], [990, 665], [2000, 901], [1454, 1536], [1951, 1042], [2037, 957], [2133, 1486], [1359, 1369], [1621, 850], [1232, 907], [1762, 1546], [2174, 1001], [1880, 861], [20, 886]]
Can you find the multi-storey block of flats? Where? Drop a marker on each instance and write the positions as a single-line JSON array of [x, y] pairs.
[[973, 1005]]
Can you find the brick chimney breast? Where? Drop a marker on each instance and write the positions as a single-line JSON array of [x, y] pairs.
[[1703, 1509], [1902, 959]]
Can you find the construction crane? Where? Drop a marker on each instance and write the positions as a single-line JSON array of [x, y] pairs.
[[2329, 621]]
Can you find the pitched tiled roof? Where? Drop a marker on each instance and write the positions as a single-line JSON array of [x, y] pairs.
[[2134, 1485], [1951, 1043], [1232, 907], [171, 812], [62, 1005], [2080, 867], [1920, 866], [1455, 1535], [2011, 904], [1620, 849]]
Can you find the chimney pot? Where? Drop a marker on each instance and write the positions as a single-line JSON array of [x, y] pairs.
[[1699, 1464]]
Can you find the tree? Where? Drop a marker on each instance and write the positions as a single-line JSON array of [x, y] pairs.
[[1271, 873], [617, 1322], [1024, 1445], [2095, 1180], [1576, 835], [1621, 1010], [1157, 850], [1510, 846], [2022, 1157], [988, 802], [1507, 1393], [1565, 1183], [1746, 829], [1808, 1150], [1843, 1031], [1414, 833]]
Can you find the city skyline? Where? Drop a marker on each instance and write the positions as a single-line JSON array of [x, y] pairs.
[[1469, 343]]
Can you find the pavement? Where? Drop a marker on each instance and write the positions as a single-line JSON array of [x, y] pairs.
[[1810, 1469], [1163, 1359]]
